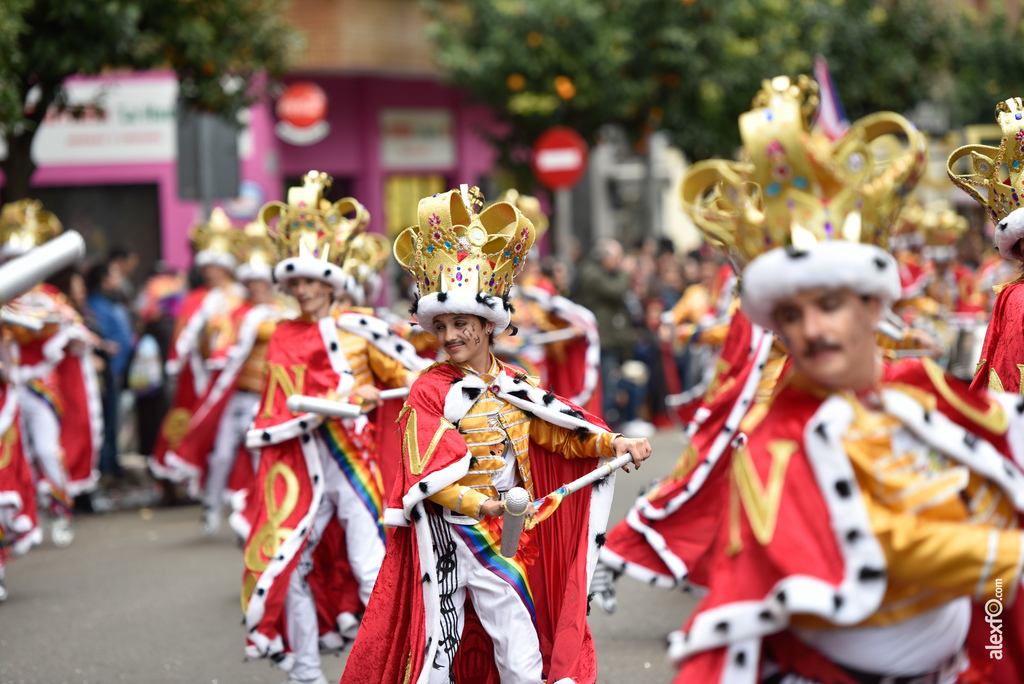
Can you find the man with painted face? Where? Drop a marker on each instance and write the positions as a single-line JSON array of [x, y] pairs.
[[315, 473], [473, 429], [867, 506]]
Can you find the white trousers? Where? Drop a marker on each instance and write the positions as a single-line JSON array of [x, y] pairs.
[[504, 616], [365, 554], [238, 415], [40, 429]]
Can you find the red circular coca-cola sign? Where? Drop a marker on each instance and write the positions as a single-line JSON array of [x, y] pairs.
[[302, 113], [559, 158]]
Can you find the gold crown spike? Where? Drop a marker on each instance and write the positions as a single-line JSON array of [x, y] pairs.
[[530, 206], [25, 224], [797, 188], [997, 172], [456, 249]]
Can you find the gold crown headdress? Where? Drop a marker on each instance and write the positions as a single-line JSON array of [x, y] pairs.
[[797, 188], [218, 234], [464, 259], [25, 224], [368, 253], [942, 228], [257, 253], [312, 235], [367, 256], [530, 206], [998, 170]]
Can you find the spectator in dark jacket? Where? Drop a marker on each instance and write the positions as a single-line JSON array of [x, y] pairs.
[[114, 326], [601, 287]]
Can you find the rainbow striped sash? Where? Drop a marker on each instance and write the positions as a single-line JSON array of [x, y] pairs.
[[364, 480], [486, 548], [47, 394]]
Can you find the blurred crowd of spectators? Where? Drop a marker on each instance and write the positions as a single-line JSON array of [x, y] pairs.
[[134, 318], [646, 355]]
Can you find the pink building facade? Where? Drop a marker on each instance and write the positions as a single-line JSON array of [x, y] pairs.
[[379, 137]]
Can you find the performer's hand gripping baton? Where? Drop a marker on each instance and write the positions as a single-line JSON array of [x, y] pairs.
[[25, 272], [299, 403], [516, 503]]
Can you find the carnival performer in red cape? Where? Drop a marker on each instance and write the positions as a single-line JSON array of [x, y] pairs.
[[238, 358], [1002, 356], [473, 429], [19, 516], [867, 505], [203, 325], [52, 372], [313, 471]]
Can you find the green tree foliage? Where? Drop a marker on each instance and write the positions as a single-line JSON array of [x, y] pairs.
[[988, 67], [220, 51], [689, 67]]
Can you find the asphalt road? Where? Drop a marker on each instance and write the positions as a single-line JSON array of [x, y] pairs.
[[141, 597]]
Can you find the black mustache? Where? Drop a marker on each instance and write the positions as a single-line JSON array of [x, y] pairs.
[[818, 346]]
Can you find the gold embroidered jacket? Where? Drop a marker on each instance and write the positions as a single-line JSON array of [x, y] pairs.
[[493, 425]]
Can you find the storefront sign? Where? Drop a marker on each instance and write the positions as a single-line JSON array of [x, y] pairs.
[[123, 121], [417, 139], [302, 114]]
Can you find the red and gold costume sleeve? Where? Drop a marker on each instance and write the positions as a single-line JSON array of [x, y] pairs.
[[387, 369], [950, 558], [563, 441]]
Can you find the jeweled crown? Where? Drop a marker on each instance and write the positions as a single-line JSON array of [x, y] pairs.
[[530, 206], [459, 246], [309, 226], [25, 224], [368, 253], [995, 175], [943, 227], [218, 234], [795, 187], [256, 248]]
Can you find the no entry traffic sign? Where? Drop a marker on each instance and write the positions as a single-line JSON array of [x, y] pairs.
[[559, 158]]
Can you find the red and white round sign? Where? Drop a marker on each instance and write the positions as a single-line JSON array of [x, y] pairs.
[[302, 114], [559, 158]]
